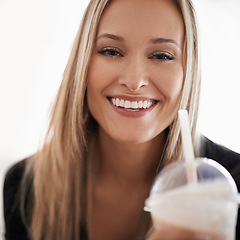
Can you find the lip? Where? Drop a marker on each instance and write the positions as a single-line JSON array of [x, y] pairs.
[[132, 114]]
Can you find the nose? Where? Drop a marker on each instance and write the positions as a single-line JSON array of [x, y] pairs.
[[134, 75]]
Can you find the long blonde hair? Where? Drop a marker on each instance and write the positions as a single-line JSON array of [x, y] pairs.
[[191, 88], [60, 169]]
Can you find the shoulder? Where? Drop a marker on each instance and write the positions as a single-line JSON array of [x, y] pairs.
[[14, 175], [226, 157], [11, 188], [14, 226], [220, 153]]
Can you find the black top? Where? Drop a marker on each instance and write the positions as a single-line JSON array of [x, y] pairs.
[[15, 229]]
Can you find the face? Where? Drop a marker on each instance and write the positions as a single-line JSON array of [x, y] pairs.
[[136, 71]]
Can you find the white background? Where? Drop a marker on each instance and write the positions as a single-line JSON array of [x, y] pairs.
[[35, 39]]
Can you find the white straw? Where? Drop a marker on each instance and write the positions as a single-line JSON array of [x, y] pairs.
[[187, 145]]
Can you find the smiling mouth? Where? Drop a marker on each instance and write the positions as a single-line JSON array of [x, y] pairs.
[[132, 106]]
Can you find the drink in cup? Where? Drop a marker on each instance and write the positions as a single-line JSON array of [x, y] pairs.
[[205, 209], [195, 199]]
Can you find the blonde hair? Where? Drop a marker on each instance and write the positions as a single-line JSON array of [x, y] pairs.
[[190, 95], [60, 168]]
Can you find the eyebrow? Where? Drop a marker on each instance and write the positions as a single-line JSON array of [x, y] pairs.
[[111, 36], [164, 40], [152, 41]]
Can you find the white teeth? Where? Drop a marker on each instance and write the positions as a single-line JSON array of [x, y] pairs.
[[131, 105], [127, 104], [134, 105], [117, 102], [121, 103], [140, 104], [145, 103]]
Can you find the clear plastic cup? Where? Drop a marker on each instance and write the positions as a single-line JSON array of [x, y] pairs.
[[205, 209]]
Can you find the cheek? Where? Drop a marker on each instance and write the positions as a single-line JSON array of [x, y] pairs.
[[170, 82], [91, 99], [97, 80], [175, 84], [93, 86], [101, 72], [100, 75], [94, 74]]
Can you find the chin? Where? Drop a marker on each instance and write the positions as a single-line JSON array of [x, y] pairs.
[[134, 138]]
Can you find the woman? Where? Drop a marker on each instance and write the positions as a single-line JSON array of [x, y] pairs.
[[114, 125]]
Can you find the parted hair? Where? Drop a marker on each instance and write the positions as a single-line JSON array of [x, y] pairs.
[[61, 169]]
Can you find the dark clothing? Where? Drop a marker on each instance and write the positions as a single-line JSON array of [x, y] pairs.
[[15, 229]]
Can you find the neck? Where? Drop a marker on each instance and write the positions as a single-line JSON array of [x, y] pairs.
[[129, 163]]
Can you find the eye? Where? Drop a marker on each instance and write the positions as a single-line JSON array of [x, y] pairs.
[[111, 52], [162, 56]]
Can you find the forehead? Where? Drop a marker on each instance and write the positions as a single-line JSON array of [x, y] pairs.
[[143, 18]]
